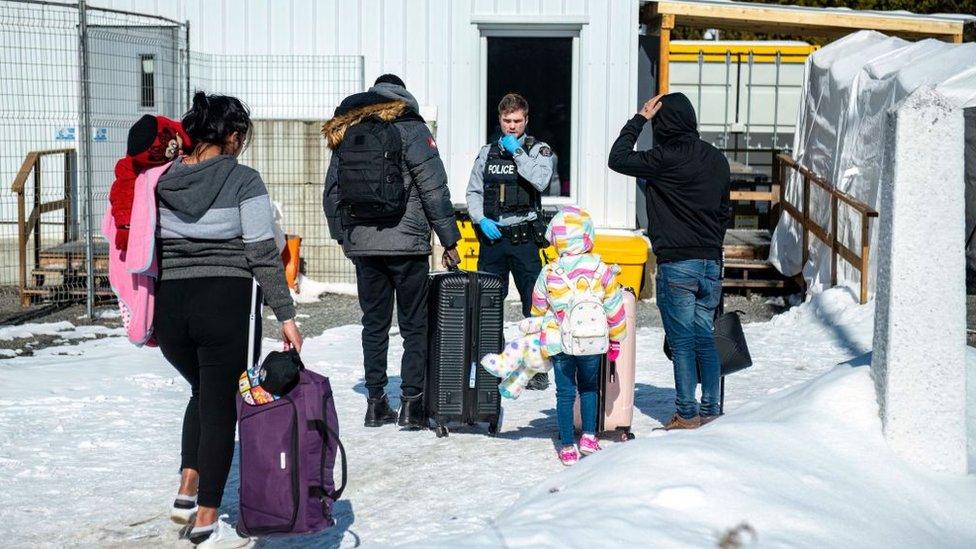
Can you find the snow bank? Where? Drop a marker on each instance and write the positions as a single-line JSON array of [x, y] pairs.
[[63, 329], [309, 291], [92, 435], [806, 467], [921, 313]]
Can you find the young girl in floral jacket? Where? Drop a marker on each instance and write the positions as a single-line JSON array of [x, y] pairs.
[[571, 232]]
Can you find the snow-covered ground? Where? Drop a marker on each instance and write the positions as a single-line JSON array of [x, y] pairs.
[[91, 446]]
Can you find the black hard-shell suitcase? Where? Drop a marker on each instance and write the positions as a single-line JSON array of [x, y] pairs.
[[466, 316]]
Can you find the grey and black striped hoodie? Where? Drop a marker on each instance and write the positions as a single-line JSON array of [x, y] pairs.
[[216, 219]]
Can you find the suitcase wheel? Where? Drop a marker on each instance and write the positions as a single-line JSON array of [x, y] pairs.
[[494, 427], [624, 436], [441, 431]]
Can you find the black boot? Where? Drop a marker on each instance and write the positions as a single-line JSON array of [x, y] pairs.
[[412, 416], [378, 412], [539, 382]]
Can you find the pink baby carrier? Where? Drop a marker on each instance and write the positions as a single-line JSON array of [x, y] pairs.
[[133, 273]]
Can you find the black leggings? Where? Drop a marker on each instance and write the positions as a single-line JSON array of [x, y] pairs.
[[201, 327]]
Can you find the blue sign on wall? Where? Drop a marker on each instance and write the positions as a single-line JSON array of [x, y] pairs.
[[64, 134]]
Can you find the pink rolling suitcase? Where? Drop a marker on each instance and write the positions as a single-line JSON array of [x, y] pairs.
[[616, 393]]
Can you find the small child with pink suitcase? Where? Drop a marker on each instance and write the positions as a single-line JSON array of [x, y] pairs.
[[582, 307]]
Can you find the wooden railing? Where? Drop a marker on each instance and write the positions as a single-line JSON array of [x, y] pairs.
[[858, 259], [30, 224]]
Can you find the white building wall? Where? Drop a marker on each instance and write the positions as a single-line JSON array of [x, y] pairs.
[[435, 45]]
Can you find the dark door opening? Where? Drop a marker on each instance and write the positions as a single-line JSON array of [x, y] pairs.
[[541, 70]]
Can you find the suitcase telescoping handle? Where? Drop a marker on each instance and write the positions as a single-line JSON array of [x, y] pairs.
[[250, 361]]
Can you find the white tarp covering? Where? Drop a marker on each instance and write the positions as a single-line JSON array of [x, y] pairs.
[[850, 86]]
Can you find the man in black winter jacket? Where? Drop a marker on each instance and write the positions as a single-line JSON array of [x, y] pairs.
[[392, 257], [688, 211]]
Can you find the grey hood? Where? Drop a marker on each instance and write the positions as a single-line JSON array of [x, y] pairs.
[[192, 189], [396, 92]]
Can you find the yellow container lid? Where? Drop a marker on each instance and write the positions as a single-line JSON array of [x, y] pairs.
[[621, 247]]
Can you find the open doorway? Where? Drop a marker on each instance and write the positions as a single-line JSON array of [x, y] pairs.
[[541, 70]]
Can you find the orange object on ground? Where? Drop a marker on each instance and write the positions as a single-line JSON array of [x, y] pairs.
[[291, 257]]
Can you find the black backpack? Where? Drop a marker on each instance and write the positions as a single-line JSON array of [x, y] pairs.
[[371, 187]]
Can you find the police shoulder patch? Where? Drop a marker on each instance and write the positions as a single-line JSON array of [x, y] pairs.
[[545, 150]]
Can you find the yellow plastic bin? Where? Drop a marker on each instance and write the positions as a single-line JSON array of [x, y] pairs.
[[468, 246], [626, 249]]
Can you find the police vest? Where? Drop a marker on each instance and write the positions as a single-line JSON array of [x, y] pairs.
[[506, 192]]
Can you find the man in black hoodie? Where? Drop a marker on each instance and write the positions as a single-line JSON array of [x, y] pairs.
[[688, 210]]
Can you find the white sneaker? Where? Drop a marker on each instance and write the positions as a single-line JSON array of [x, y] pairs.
[[183, 509], [223, 536]]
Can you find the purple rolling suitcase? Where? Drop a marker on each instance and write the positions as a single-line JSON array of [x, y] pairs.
[[288, 452]]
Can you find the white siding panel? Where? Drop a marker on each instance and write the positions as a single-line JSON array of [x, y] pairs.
[[553, 7], [323, 35], [530, 7], [230, 32], [394, 22], [506, 7], [280, 21], [480, 7], [414, 39], [462, 140], [349, 28]]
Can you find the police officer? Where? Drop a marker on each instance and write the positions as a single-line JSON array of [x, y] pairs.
[[504, 199]]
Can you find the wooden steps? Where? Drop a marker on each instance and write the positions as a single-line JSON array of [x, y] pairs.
[[60, 275], [747, 263], [71, 256]]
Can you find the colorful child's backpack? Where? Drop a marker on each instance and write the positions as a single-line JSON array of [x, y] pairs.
[[584, 327]]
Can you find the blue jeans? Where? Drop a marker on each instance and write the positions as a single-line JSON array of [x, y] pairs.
[[688, 293], [572, 372]]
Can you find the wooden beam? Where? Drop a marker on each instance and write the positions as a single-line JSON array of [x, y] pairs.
[[816, 22], [865, 257], [664, 54], [759, 196]]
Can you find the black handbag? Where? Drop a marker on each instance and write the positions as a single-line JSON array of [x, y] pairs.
[[733, 351]]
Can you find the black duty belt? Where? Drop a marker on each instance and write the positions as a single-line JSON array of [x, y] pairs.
[[519, 233]]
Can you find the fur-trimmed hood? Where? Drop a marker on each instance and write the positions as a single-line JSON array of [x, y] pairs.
[[385, 101], [335, 129]]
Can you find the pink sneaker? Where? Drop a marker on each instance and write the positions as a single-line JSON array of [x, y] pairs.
[[568, 455], [588, 444]]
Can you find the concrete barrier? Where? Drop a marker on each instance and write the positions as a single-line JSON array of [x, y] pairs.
[[920, 320]]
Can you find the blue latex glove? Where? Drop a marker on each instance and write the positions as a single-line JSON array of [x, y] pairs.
[[510, 143], [490, 228]]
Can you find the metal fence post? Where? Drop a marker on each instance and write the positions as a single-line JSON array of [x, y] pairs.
[[728, 74], [779, 59], [189, 95], [84, 141], [749, 105]]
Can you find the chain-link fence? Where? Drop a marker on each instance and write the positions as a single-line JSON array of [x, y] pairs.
[[135, 65]]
